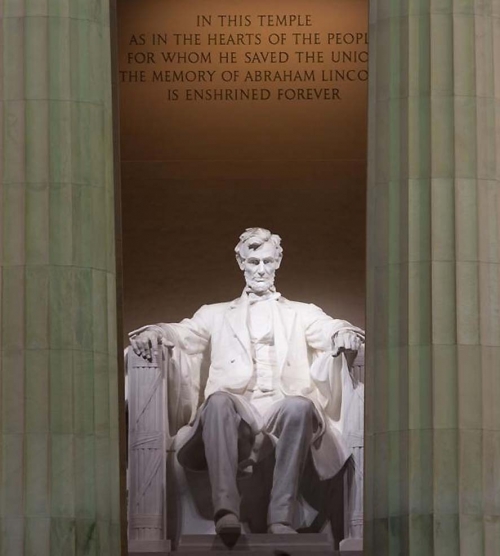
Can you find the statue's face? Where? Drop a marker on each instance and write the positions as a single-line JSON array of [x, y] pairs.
[[259, 267]]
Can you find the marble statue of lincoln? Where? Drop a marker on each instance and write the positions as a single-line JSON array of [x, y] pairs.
[[262, 374]]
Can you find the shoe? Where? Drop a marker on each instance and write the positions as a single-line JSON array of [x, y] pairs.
[[228, 525], [281, 529]]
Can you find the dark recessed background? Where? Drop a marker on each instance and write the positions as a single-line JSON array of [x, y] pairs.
[[195, 175]]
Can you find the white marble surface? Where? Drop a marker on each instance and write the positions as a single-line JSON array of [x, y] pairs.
[[296, 328]]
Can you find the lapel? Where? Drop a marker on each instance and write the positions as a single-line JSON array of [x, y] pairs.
[[237, 316], [284, 323]]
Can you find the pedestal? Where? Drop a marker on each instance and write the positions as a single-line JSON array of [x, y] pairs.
[[253, 545]]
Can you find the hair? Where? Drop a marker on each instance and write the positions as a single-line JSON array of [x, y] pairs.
[[253, 238]]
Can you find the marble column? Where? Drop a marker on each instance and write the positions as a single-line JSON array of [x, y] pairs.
[[433, 359], [59, 470]]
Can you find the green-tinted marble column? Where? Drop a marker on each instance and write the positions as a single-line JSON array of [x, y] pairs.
[[433, 367], [59, 471]]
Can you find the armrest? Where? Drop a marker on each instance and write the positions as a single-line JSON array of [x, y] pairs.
[[147, 389], [181, 373], [357, 367]]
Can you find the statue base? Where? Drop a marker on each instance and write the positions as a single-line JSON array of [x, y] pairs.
[[351, 545], [253, 544], [145, 547], [305, 544]]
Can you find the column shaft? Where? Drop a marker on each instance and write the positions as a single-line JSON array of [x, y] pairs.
[[433, 314], [59, 469]]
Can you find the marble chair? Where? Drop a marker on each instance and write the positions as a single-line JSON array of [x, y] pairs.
[[165, 501]]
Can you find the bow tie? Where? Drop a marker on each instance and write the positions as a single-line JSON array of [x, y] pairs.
[[254, 298]]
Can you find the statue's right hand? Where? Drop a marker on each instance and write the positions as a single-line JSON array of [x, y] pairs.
[[144, 343]]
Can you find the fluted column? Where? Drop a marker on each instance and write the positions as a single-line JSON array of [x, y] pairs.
[[59, 472], [433, 367]]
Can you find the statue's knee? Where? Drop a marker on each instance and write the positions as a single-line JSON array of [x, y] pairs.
[[298, 408], [220, 402]]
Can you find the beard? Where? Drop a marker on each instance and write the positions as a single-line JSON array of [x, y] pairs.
[[260, 285]]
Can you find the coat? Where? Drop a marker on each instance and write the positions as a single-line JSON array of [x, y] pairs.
[[302, 333]]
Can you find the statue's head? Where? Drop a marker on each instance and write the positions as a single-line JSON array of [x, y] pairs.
[[259, 255]]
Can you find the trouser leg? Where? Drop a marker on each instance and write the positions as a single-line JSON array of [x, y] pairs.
[[220, 437], [294, 428]]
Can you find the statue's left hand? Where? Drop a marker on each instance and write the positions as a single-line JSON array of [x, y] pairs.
[[346, 341]]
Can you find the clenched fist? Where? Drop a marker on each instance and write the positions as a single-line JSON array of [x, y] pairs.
[[346, 340]]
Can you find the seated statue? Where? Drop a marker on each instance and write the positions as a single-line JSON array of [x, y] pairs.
[[275, 380]]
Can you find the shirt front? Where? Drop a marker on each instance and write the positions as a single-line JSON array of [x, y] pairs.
[[263, 389]]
